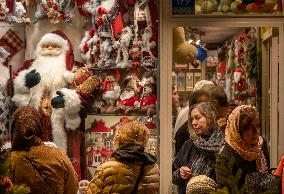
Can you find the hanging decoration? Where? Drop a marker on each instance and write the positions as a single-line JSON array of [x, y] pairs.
[[201, 53], [53, 10]]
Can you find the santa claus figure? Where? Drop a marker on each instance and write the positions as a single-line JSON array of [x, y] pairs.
[[147, 46], [122, 59], [105, 13], [43, 83], [128, 101], [111, 90], [149, 98]]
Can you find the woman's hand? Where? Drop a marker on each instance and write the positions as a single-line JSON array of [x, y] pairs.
[[185, 172]]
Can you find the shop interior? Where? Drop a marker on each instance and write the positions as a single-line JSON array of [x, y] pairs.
[[238, 59]]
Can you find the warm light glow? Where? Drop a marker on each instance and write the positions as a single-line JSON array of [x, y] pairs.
[[190, 41], [198, 42]]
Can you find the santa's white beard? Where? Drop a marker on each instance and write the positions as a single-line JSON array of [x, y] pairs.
[[126, 95], [51, 70]]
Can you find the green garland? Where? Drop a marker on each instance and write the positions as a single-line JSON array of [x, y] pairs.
[[6, 186]]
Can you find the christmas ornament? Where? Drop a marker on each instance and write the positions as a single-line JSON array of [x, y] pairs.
[[105, 14], [241, 85], [238, 73], [221, 70], [195, 63], [111, 89], [54, 10], [201, 53], [122, 59], [147, 45], [136, 55]]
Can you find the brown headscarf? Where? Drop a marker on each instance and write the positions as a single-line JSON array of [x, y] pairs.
[[26, 129], [233, 136]]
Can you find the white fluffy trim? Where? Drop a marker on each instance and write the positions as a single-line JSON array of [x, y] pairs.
[[20, 81], [54, 38], [58, 130], [22, 94], [72, 107], [68, 76]]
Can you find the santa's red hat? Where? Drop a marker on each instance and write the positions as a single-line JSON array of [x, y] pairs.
[[61, 39], [101, 127]]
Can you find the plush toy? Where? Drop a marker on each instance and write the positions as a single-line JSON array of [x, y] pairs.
[[148, 99], [55, 11], [104, 13], [224, 6], [122, 59], [90, 47], [83, 187], [20, 13], [235, 6], [147, 44], [4, 10], [183, 52], [128, 101], [238, 73], [111, 90], [135, 53], [209, 6]]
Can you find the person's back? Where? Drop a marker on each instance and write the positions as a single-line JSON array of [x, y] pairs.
[[44, 169], [120, 177], [130, 169]]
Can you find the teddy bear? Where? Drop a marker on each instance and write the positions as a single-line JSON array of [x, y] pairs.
[[183, 52]]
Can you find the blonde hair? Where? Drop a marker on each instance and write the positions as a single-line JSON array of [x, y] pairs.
[[132, 132]]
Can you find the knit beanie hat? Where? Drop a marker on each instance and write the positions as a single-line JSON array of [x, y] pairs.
[[200, 185]]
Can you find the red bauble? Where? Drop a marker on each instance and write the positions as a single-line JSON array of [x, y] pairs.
[[252, 91], [195, 64], [100, 21], [241, 85]]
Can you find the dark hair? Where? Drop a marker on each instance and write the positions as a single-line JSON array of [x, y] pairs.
[[194, 95], [218, 94]]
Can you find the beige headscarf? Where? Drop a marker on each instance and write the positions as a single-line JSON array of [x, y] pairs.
[[26, 129], [233, 136]]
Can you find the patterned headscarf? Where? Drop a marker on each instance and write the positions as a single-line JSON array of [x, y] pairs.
[[27, 130], [233, 135]]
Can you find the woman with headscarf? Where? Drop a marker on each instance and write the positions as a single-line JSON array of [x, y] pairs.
[[243, 151], [130, 170], [197, 155], [42, 168]]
